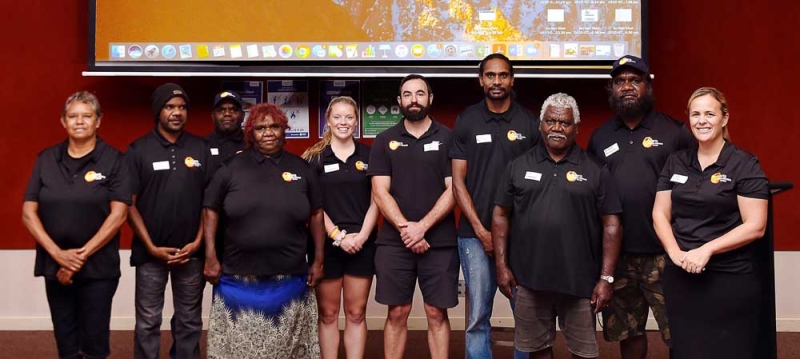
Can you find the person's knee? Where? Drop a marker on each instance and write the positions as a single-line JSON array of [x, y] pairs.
[[398, 315], [436, 316], [355, 315], [328, 315]]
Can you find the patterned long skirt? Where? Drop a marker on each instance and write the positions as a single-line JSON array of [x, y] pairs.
[[263, 317]]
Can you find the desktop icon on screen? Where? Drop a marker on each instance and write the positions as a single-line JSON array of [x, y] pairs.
[[236, 51], [285, 51], [151, 51], [335, 50], [351, 51], [252, 51], [319, 50], [186, 51], [434, 50], [482, 50], [401, 50], [498, 49], [135, 51], [466, 51], [602, 50], [450, 50], [515, 50], [218, 51], [269, 51], [168, 51], [117, 51], [202, 51], [303, 51], [417, 50], [385, 50], [531, 50], [369, 52]]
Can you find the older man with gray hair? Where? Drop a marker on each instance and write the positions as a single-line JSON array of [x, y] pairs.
[[562, 243]]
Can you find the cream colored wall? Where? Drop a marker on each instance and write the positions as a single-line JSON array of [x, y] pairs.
[[23, 305]]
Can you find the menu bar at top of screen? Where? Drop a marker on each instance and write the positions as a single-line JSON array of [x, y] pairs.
[[536, 50]]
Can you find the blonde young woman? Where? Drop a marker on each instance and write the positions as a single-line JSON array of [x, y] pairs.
[[710, 206], [350, 216]]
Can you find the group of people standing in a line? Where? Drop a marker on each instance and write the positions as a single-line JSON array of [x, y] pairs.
[[651, 215]]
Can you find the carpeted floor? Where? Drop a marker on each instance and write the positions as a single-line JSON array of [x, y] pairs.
[[40, 344]]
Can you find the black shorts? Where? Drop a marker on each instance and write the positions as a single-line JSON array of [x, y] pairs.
[[397, 270], [338, 262]]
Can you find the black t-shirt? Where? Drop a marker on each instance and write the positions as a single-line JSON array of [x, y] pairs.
[[168, 180], [635, 158], [267, 203], [346, 189], [488, 142], [418, 168], [74, 204], [704, 202], [556, 235], [222, 147]]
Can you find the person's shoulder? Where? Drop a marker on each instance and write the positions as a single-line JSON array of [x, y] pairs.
[[473, 111], [195, 139], [442, 128], [668, 120], [363, 148], [742, 155], [143, 140], [524, 111], [588, 159], [51, 150]]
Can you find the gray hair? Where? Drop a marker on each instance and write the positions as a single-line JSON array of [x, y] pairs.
[[83, 97], [562, 100]]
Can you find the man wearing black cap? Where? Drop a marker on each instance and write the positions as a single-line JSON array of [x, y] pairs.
[[635, 144], [168, 176], [227, 139]]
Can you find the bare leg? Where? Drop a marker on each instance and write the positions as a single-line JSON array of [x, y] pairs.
[[544, 354], [395, 331], [438, 331], [356, 293], [329, 292], [634, 347]]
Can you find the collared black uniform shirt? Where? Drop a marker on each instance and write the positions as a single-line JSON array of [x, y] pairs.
[[705, 204], [488, 142], [220, 148], [635, 158], [418, 168], [74, 203], [267, 203], [168, 180], [556, 235]]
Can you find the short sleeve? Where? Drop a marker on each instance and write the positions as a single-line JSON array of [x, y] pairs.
[[608, 197], [664, 183], [217, 189], [752, 182], [134, 168], [34, 182], [504, 196], [458, 140], [120, 186], [379, 163]]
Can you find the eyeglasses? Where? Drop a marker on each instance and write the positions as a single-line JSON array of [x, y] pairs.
[[563, 124]]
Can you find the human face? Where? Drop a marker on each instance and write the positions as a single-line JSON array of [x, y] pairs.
[[173, 115], [80, 121], [228, 117], [496, 80], [268, 136], [706, 119], [342, 121], [629, 96], [415, 100], [558, 129]]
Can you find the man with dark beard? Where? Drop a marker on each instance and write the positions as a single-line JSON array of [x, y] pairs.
[[635, 144], [486, 137], [411, 184]]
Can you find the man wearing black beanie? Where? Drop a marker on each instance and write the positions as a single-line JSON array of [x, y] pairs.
[[168, 174]]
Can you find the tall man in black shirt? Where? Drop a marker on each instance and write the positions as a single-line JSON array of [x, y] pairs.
[[167, 170], [486, 137], [411, 184], [227, 139], [635, 144], [564, 237]]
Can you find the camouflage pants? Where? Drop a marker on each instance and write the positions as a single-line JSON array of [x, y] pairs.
[[637, 288]]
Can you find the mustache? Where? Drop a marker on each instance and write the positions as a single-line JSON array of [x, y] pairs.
[[556, 135]]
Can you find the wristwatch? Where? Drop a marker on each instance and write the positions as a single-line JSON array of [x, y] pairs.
[[608, 278]]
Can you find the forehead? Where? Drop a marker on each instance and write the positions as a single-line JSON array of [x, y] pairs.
[[558, 113], [414, 85], [78, 106], [227, 102], [496, 66], [176, 101], [343, 107], [704, 102], [628, 72], [266, 120]]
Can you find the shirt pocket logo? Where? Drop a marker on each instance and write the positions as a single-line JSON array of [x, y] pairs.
[[719, 177], [361, 166], [92, 176], [514, 136], [289, 177], [649, 142], [191, 162]]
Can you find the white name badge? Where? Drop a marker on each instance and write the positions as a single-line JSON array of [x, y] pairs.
[[534, 176], [214, 151], [611, 149], [483, 138], [433, 146], [679, 178], [331, 168], [160, 165]]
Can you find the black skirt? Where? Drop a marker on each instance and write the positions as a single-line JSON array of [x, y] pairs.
[[712, 314]]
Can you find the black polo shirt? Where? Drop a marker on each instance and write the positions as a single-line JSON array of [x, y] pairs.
[[168, 180], [556, 237], [73, 204], [488, 141], [346, 189], [221, 147], [267, 203], [635, 158], [418, 168], [704, 202]]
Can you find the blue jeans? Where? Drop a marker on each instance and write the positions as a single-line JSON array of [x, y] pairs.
[[481, 279]]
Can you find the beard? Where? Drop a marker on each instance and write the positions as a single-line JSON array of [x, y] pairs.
[[632, 109], [414, 116], [499, 97]]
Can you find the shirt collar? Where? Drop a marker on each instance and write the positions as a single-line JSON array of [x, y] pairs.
[[646, 122], [164, 142], [327, 153], [690, 160], [237, 136], [493, 116], [572, 154], [94, 155], [431, 130], [276, 158]]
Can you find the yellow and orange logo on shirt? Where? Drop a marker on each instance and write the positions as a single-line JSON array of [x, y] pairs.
[[393, 145], [573, 176], [92, 176], [289, 177], [191, 162], [649, 142], [719, 177], [514, 136], [361, 166]]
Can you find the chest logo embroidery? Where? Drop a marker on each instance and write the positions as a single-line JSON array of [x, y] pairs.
[[393, 145], [648, 142], [514, 136], [92, 176], [573, 176], [289, 177], [361, 166], [719, 177], [191, 162]]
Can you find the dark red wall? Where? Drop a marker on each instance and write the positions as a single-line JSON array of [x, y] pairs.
[[747, 50]]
